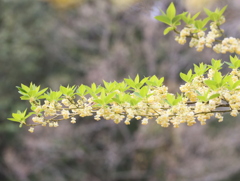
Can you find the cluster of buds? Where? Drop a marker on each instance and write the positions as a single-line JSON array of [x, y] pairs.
[[50, 113], [184, 33], [199, 39], [231, 45], [215, 32]]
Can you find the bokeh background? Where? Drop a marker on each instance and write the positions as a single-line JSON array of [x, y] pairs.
[[61, 42]]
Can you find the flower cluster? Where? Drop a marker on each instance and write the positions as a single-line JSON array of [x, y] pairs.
[[230, 44], [199, 39]]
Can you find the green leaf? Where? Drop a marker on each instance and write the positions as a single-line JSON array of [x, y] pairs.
[[93, 87], [13, 119], [205, 21], [130, 82], [202, 98], [109, 97], [167, 30], [170, 99], [25, 88], [217, 77], [136, 80], [82, 90], [222, 10], [21, 90], [144, 80], [184, 77], [134, 102], [67, 91], [225, 80], [216, 64], [177, 100], [201, 69], [160, 81], [171, 11], [110, 86], [200, 24], [99, 101], [137, 94], [195, 16], [53, 96], [211, 84], [198, 92], [213, 96], [93, 90], [19, 116], [230, 65], [154, 81], [187, 19], [176, 20], [214, 17], [25, 98], [117, 100], [235, 62], [208, 12], [189, 75], [144, 91], [122, 87], [163, 19], [40, 93], [103, 94]]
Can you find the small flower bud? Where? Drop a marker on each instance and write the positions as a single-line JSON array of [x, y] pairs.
[[31, 129], [144, 121], [73, 120], [50, 124], [55, 124]]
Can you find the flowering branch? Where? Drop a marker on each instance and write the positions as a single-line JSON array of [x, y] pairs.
[[195, 30], [207, 93]]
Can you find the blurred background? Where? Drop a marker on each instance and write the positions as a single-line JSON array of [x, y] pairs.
[[61, 42]]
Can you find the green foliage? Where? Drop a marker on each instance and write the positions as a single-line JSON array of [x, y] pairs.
[[234, 62], [32, 92], [216, 15], [190, 20], [205, 97], [187, 77], [81, 90], [128, 98], [154, 81], [216, 64], [218, 81], [20, 117], [172, 100], [232, 85], [136, 83], [67, 91], [170, 18], [200, 24], [201, 69], [53, 96]]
